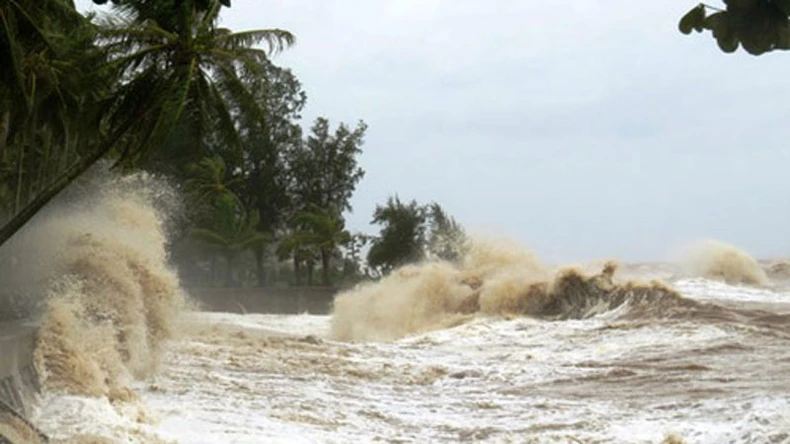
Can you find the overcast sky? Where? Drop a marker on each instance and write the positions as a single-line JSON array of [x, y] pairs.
[[582, 129]]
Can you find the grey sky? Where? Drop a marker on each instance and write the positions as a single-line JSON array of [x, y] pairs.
[[582, 129]]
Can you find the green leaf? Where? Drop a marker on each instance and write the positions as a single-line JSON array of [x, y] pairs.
[[783, 38], [692, 20], [716, 22], [756, 42], [723, 31], [783, 5], [741, 4], [728, 43]]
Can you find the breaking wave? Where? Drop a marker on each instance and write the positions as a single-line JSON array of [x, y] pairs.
[[109, 298], [498, 280], [778, 270], [723, 262], [416, 298]]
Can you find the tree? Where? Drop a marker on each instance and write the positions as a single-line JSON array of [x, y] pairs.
[[174, 55], [265, 142], [413, 232], [322, 176], [324, 170], [446, 239], [759, 26], [402, 236], [208, 180], [168, 55], [232, 231], [50, 88], [324, 230], [293, 246], [352, 260]]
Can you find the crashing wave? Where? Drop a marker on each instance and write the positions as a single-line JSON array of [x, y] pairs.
[[723, 262], [435, 295], [109, 298]]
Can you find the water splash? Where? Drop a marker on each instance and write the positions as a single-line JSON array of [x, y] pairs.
[[723, 262], [94, 269]]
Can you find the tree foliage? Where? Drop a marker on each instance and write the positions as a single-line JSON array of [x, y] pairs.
[[50, 95], [759, 26], [411, 232], [160, 85], [323, 170], [162, 65], [447, 239], [320, 230], [402, 236], [231, 231]]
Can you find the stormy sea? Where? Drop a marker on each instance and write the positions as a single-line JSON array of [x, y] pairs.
[[499, 347]]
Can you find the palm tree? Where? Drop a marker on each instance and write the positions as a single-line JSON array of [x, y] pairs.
[[322, 229], [48, 91], [292, 246], [176, 56], [208, 180], [402, 236], [232, 232], [176, 65]]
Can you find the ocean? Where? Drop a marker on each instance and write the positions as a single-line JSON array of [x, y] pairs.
[[498, 348]]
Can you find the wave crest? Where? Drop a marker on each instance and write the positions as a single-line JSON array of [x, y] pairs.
[[723, 262], [430, 296], [110, 298]]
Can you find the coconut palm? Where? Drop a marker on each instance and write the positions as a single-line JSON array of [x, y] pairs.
[[176, 66], [324, 231], [48, 92], [232, 232], [181, 65], [208, 180]]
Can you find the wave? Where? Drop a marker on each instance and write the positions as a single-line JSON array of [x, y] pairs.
[[421, 297], [723, 262], [778, 270], [109, 298], [437, 295]]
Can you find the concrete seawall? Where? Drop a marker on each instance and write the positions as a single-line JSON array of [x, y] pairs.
[[18, 378], [293, 300], [19, 384]]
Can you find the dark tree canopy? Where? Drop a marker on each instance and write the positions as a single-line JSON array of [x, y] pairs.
[[200, 4], [402, 238], [759, 26]]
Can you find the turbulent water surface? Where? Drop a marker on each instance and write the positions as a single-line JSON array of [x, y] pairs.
[[608, 378], [497, 348]]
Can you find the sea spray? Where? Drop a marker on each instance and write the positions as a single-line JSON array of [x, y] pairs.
[[94, 268], [495, 279], [723, 262], [421, 297]]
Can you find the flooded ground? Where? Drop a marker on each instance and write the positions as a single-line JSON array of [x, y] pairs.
[[609, 378]]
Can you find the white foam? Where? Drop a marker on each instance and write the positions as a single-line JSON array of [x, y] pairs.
[[70, 417], [489, 380], [706, 289]]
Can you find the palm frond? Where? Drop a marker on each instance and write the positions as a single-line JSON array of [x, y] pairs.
[[276, 40], [171, 110]]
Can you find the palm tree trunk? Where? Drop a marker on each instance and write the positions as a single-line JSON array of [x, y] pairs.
[[5, 128], [325, 257], [310, 267], [297, 270], [43, 161], [213, 280], [53, 189], [20, 173], [229, 271], [259, 265]]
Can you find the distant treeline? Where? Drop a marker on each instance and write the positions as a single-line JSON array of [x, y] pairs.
[[161, 86]]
